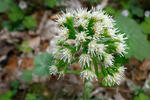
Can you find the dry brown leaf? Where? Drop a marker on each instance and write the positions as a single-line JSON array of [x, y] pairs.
[[140, 75], [34, 42], [27, 63], [145, 66], [54, 17], [12, 64], [44, 46]]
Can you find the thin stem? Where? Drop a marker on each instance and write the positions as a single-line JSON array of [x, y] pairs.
[[73, 72], [102, 67], [95, 66], [87, 90]]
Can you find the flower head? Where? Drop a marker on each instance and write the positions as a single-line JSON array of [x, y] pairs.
[[82, 13], [108, 60], [22, 5], [121, 47], [80, 38], [116, 78], [96, 49], [89, 37], [63, 34], [53, 70], [125, 12], [66, 55], [88, 75], [84, 60]]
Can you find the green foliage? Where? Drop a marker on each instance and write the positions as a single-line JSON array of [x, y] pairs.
[[42, 63], [70, 25], [30, 96], [13, 26], [15, 84], [125, 4], [27, 76], [119, 60], [18, 19], [141, 96], [24, 47], [7, 96], [90, 25], [10, 93], [92, 2], [29, 22], [137, 11], [37, 88], [4, 5], [110, 10], [139, 46], [15, 14], [50, 3], [146, 25]]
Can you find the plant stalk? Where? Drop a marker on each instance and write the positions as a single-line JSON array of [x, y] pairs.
[[87, 90]]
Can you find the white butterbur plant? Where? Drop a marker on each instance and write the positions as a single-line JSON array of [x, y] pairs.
[[91, 39]]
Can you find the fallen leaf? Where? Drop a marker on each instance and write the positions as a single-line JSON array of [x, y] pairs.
[[44, 46], [54, 17], [118, 96], [34, 42], [140, 75], [145, 66], [12, 64], [27, 63]]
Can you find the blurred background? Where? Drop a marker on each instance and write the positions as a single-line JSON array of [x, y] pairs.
[[28, 26]]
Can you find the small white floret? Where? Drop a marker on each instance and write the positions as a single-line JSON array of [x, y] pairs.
[[88, 75], [53, 70], [85, 60], [108, 60], [66, 55], [80, 38], [121, 47]]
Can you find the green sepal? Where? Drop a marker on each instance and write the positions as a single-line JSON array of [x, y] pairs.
[[70, 26], [90, 27]]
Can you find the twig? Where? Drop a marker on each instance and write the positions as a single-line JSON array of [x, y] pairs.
[[104, 3], [44, 18]]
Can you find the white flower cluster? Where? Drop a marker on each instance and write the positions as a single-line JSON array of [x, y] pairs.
[[116, 77], [93, 35], [88, 75], [53, 70]]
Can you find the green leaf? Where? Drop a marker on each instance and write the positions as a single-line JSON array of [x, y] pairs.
[[120, 60], [137, 11], [29, 22], [141, 96], [13, 26], [27, 76], [7, 24], [139, 46], [42, 63], [50, 3], [7, 95], [146, 26], [30, 96], [4, 5], [110, 10], [24, 47], [15, 14], [15, 84], [70, 26]]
